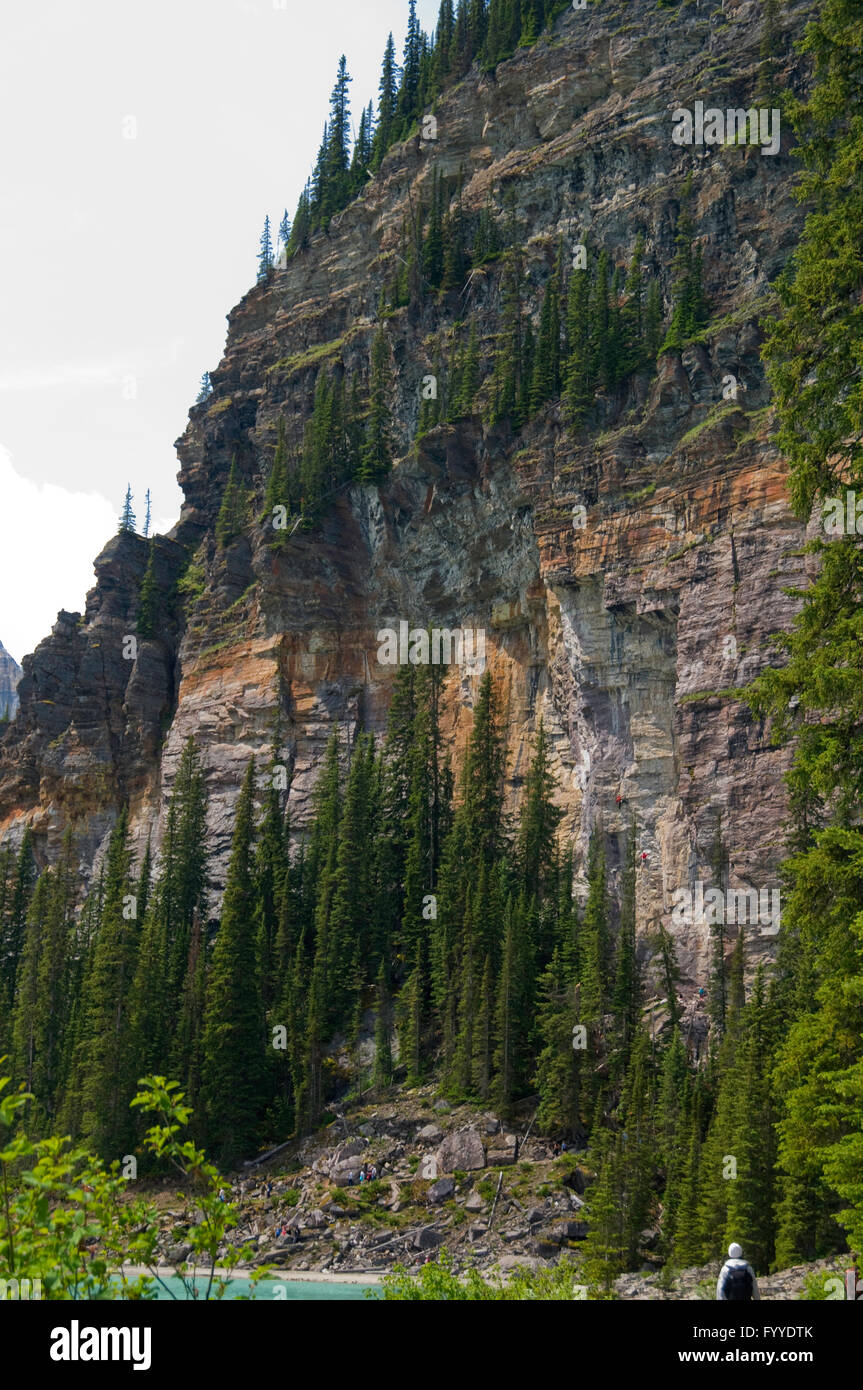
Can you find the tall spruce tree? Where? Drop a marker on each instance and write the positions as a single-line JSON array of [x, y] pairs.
[[376, 460], [102, 1082], [233, 1042]]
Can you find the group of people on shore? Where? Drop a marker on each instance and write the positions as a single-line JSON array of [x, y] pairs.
[[368, 1173]]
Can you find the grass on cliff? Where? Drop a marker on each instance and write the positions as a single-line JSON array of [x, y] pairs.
[[320, 352]]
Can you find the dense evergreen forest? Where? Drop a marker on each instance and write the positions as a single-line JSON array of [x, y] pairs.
[[413, 906]]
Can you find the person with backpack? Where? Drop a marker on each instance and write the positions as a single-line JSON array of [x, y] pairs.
[[737, 1282]]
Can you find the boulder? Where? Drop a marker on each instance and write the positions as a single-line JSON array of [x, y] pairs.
[[577, 1179], [566, 1230], [547, 1249], [462, 1149], [474, 1202], [441, 1191], [340, 1172], [501, 1158], [442, 1107], [510, 1262], [430, 1134], [492, 1125], [349, 1150], [426, 1238]]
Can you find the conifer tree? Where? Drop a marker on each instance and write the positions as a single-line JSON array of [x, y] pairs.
[[509, 354], [484, 1033], [383, 1073], [387, 98], [600, 341], [637, 1155], [233, 1042], [652, 322], [558, 1078], [594, 935], [302, 223], [465, 379], [632, 314], [336, 181], [269, 873], [265, 253], [752, 1137], [718, 991], [688, 1245], [148, 598], [603, 1258], [411, 1031], [456, 260], [443, 42], [205, 390], [512, 1008], [689, 310], [545, 381], [468, 999], [277, 491], [44, 994], [579, 374], [539, 821], [350, 906], [626, 1000], [127, 518], [362, 154], [233, 513], [22, 881], [26, 1001], [487, 240], [186, 1053], [433, 242], [376, 459], [407, 105], [102, 1083], [670, 974], [284, 232]]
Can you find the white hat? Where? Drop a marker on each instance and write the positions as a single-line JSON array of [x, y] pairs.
[[735, 1251]]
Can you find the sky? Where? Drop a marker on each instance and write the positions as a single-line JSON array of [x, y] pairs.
[[141, 145]]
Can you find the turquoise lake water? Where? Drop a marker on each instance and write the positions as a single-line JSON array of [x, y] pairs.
[[273, 1290]]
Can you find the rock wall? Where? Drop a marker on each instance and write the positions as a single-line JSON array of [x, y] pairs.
[[627, 634]]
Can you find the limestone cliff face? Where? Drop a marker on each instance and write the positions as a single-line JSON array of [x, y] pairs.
[[10, 675], [622, 633]]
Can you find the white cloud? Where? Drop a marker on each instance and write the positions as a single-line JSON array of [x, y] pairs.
[[49, 538]]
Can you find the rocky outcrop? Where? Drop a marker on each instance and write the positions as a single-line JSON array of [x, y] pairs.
[[626, 634], [461, 1150], [10, 675]]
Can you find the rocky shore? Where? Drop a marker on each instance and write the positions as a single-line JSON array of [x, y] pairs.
[[451, 1179]]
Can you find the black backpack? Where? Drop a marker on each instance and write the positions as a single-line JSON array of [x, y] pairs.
[[738, 1284]]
